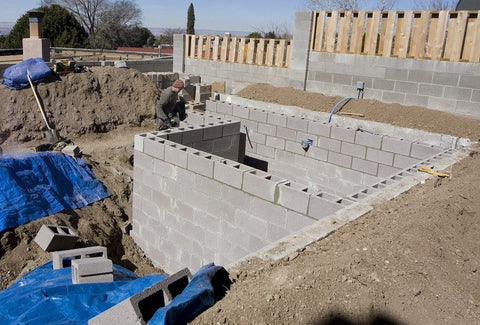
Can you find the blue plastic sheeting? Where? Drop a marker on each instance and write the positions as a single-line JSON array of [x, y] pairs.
[[34, 185], [15, 77], [47, 296]]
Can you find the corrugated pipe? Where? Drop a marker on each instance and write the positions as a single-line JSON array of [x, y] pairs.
[[345, 99]]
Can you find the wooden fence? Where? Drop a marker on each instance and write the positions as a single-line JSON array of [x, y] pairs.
[[441, 35], [257, 51]]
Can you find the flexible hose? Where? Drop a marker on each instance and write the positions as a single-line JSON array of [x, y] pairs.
[[345, 99]]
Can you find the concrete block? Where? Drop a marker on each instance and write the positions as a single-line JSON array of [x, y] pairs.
[[265, 151], [387, 171], [476, 95], [420, 76], [319, 128], [384, 84], [212, 131], [395, 74], [94, 251], [323, 204], [261, 184], [393, 97], [294, 196], [257, 137], [195, 118], [154, 147], [55, 238], [192, 134], [138, 141], [140, 308], [406, 87], [285, 133], [240, 111], [275, 142], [445, 78], [339, 159], [258, 115], [468, 108], [416, 100], [400, 161], [72, 150], [354, 150], [343, 134], [231, 128], [297, 123], [470, 81], [458, 93], [317, 153], [230, 172], [329, 144], [342, 79], [380, 156], [430, 90], [363, 193], [295, 147], [211, 105], [365, 166], [394, 145], [423, 151], [92, 270], [224, 108], [201, 163], [271, 130], [176, 154], [278, 119], [368, 139]]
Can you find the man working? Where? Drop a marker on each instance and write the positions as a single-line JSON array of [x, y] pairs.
[[169, 105]]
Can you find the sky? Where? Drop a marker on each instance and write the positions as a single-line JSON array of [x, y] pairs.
[[226, 15]]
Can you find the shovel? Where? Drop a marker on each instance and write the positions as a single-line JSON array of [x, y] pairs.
[[52, 136]]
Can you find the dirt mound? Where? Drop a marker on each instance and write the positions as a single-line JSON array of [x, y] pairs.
[[95, 101]]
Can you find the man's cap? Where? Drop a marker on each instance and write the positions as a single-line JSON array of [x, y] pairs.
[[178, 84]]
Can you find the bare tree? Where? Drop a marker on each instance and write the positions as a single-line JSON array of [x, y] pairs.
[[348, 5], [385, 5], [435, 5], [275, 30]]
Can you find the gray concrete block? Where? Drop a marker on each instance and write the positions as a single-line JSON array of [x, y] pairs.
[[240, 111], [395, 74], [230, 172], [191, 134], [343, 134], [329, 144], [339, 159], [476, 95], [275, 142], [443, 104], [294, 196], [422, 151], [297, 123], [267, 129], [278, 119], [261, 184], [387, 171], [86, 252], [354, 150], [420, 76], [295, 147], [154, 147], [470, 81], [200, 163], [224, 108], [445, 78], [393, 97], [416, 100], [92, 270], [458, 93], [368, 139], [342, 79], [323, 204], [365, 166], [468, 108], [138, 141], [319, 128], [296, 221], [406, 87], [430, 90], [383, 84], [400, 161], [258, 115], [394, 145], [212, 131], [322, 76], [286, 133], [265, 151], [380, 156], [55, 238], [176, 154], [231, 128], [317, 153]]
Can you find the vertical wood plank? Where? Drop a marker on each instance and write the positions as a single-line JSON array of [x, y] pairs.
[[187, 45], [472, 43], [319, 31], [330, 36], [225, 45], [419, 34], [455, 35], [371, 35], [388, 38], [438, 36], [344, 31], [251, 50], [208, 47], [357, 32], [232, 50], [260, 53], [270, 52], [242, 51], [288, 54], [216, 44], [403, 36], [193, 49], [280, 54]]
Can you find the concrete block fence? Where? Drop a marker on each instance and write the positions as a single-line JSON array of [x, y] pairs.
[[193, 205]]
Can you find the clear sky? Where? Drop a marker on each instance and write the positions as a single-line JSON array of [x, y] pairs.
[[225, 15]]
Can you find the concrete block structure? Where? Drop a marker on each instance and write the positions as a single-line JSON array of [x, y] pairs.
[[55, 238], [78, 253], [92, 270], [208, 200], [140, 308]]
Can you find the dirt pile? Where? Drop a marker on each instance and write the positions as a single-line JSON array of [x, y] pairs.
[[413, 260]]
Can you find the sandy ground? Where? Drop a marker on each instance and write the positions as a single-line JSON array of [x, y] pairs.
[[413, 260]]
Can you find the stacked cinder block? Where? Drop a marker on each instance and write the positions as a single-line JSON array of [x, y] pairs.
[[55, 238], [162, 80], [78, 253], [140, 308], [203, 92], [92, 270]]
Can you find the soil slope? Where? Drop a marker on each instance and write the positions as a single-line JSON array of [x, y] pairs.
[[413, 260]]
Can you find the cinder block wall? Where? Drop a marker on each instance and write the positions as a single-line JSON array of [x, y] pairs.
[[191, 205], [340, 160], [441, 85]]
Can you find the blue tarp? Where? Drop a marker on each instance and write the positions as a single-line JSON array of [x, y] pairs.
[[34, 185], [47, 296], [15, 77]]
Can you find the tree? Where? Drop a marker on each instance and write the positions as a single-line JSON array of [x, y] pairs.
[[59, 26], [385, 5], [191, 20], [349, 5], [435, 5], [90, 13], [167, 35]]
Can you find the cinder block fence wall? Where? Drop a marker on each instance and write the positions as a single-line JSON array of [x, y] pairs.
[[440, 85], [194, 202]]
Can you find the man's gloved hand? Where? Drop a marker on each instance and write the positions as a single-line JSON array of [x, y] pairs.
[[183, 116]]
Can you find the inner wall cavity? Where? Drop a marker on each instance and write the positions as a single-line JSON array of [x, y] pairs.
[[197, 197]]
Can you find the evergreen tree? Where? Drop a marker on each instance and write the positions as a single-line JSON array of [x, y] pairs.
[[191, 20]]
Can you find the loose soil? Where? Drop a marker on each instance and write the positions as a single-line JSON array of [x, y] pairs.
[[412, 260]]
